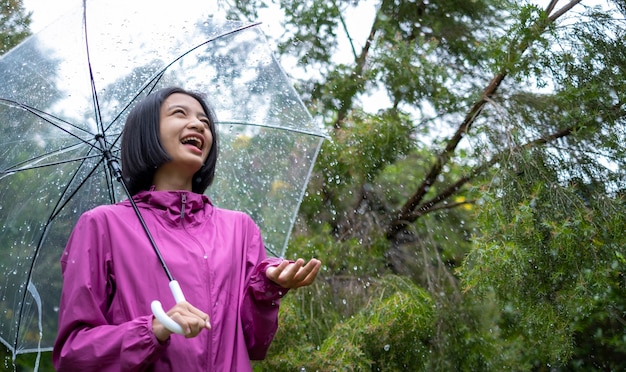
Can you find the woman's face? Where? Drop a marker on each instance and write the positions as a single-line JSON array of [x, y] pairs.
[[185, 132]]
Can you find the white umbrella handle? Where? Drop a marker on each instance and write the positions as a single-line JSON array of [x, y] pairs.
[[159, 313]]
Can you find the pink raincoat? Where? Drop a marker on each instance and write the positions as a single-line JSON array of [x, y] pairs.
[[111, 275]]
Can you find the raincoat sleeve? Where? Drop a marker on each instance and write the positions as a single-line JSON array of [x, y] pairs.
[[259, 312], [86, 341]]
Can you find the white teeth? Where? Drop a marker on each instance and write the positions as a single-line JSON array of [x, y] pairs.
[[196, 141]]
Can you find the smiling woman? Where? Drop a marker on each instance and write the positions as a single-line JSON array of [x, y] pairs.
[[169, 152], [153, 135], [71, 87], [186, 134]]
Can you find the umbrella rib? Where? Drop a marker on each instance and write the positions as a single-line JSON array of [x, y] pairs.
[[21, 165], [286, 129], [58, 207], [94, 93], [46, 117], [17, 168]]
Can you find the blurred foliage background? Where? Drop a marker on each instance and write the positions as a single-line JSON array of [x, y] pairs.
[[469, 207]]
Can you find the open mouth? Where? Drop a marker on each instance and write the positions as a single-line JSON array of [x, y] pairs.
[[197, 142]]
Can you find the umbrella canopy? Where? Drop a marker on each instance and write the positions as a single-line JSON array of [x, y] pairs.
[[71, 86]]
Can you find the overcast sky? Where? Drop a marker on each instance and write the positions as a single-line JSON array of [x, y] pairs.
[[46, 11]]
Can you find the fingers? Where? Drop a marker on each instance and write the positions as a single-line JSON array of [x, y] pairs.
[[273, 272], [294, 274], [198, 313], [290, 272], [191, 320], [310, 272]]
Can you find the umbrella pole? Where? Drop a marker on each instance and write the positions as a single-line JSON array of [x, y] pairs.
[[157, 308]]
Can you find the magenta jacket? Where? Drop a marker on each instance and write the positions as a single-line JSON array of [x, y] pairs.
[[111, 275]]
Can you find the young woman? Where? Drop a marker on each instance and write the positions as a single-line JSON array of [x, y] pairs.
[[111, 274]]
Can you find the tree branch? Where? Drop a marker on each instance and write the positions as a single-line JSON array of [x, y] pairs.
[[345, 29], [357, 73], [432, 204], [407, 212], [561, 11]]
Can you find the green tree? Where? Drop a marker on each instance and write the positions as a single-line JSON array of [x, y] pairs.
[[553, 254], [489, 105], [14, 22]]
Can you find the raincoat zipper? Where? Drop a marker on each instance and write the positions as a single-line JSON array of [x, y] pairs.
[[183, 200], [182, 208]]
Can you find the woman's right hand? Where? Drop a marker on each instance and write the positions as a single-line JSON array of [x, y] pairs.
[[192, 321]]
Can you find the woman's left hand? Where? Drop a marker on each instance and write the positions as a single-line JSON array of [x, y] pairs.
[[294, 274]]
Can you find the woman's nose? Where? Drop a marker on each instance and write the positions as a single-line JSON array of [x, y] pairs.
[[197, 125]]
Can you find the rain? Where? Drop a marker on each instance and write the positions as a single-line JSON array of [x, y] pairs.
[[467, 193]]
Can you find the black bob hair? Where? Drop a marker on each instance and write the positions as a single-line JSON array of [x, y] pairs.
[[141, 149]]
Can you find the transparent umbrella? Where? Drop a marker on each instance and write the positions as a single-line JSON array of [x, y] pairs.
[[64, 96]]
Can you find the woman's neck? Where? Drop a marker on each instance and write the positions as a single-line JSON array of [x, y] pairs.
[[169, 178]]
